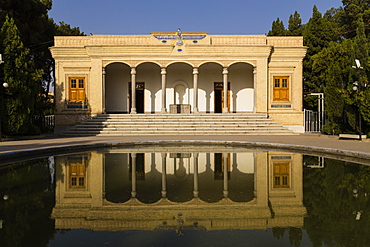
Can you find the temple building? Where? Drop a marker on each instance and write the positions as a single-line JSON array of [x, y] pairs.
[[178, 72]]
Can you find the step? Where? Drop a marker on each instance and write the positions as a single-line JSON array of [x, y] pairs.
[[178, 124]]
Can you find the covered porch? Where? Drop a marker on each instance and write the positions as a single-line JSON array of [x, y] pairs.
[[179, 87]]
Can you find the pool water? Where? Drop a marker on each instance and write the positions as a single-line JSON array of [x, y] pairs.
[[184, 196]]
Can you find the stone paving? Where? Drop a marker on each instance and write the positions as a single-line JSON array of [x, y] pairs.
[[310, 143]]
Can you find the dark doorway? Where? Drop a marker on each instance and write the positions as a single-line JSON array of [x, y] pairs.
[[139, 94], [219, 96]]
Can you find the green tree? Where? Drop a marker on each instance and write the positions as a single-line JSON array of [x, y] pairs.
[[351, 11], [277, 29], [22, 78], [360, 98], [332, 66], [36, 32], [295, 25], [318, 33]]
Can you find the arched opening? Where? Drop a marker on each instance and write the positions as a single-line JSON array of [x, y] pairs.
[[148, 90], [116, 90], [209, 74], [240, 76], [180, 79]]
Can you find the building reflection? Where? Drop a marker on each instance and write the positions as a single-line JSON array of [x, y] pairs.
[[148, 189]]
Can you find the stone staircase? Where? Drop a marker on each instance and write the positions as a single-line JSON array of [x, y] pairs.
[[178, 124]]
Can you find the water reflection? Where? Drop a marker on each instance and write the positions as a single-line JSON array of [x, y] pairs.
[[120, 189], [150, 197]]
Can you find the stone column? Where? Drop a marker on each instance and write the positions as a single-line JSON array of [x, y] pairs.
[[133, 90], [133, 175], [225, 82], [254, 88], [163, 73], [226, 182], [195, 161], [164, 176], [103, 90], [195, 89]]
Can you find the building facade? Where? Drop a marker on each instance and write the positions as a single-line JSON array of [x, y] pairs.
[[163, 72]]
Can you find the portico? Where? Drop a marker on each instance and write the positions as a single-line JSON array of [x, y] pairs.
[[152, 87]]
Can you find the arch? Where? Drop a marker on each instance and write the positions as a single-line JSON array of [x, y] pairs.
[[209, 73], [243, 62], [241, 77], [180, 62], [117, 62], [181, 90], [117, 190], [149, 62], [117, 77], [178, 74], [215, 62], [150, 74]]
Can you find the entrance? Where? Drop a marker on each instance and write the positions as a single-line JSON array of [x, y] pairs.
[[139, 95], [219, 96]]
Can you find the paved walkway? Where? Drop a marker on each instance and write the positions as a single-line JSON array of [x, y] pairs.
[[310, 143]]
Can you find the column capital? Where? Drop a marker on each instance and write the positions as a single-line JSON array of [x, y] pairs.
[[133, 70], [163, 71], [254, 70], [195, 70], [225, 70]]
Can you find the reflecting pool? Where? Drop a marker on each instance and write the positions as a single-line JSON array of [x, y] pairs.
[[184, 196]]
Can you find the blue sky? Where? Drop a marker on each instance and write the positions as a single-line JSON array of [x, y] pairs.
[[213, 17]]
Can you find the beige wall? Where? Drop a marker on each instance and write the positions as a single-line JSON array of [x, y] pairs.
[[252, 61]]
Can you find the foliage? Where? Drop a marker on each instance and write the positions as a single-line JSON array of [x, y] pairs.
[[333, 197], [334, 41], [26, 213], [278, 28], [22, 78], [295, 25], [36, 32]]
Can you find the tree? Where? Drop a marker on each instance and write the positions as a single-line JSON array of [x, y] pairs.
[[295, 25], [22, 78], [317, 35], [360, 99], [36, 32], [277, 29], [350, 13], [332, 66]]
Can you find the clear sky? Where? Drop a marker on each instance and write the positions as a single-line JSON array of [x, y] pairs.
[[213, 17]]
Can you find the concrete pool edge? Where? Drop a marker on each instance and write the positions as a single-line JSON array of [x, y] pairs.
[[337, 153]]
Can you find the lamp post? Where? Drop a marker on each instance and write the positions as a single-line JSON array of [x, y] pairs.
[[4, 85], [358, 87]]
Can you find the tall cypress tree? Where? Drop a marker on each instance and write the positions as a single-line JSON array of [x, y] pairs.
[[277, 29], [23, 80], [295, 25]]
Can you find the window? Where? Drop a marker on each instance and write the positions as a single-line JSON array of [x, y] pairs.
[[77, 174], [281, 88], [77, 89], [281, 175]]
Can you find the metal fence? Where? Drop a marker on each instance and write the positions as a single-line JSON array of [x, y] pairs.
[[44, 122], [313, 121]]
